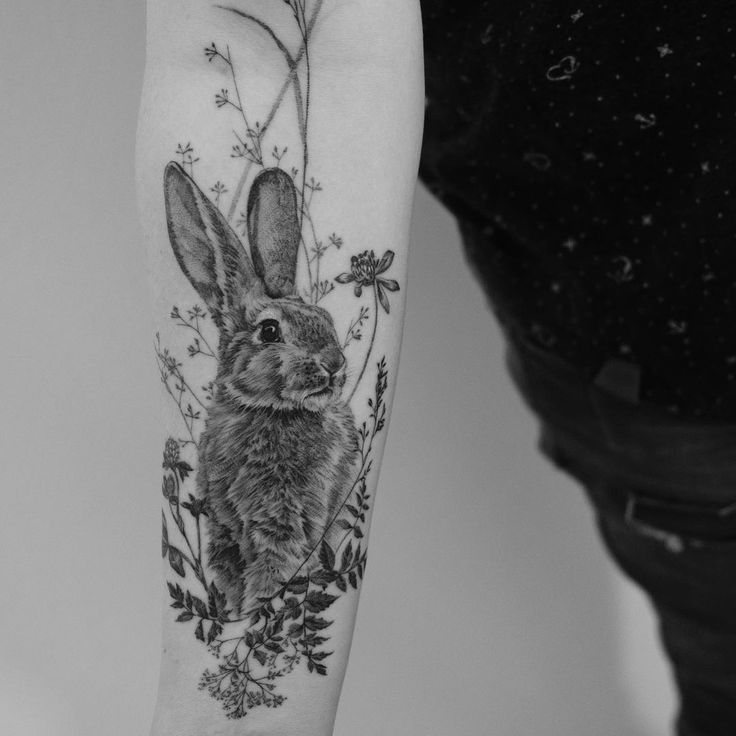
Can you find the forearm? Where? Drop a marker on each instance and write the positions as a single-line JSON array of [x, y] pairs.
[[277, 244]]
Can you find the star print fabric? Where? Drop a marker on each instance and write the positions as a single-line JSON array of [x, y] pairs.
[[588, 151]]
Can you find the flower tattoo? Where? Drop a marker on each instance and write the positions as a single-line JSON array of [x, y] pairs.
[[365, 270]]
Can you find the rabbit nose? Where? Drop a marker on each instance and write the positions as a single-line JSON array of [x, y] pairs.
[[332, 362]]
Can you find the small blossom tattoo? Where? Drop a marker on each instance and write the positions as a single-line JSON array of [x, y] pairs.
[[366, 270]]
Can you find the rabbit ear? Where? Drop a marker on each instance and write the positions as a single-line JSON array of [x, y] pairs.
[[208, 251], [274, 231]]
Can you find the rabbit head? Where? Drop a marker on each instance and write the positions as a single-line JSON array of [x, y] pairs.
[[275, 350]]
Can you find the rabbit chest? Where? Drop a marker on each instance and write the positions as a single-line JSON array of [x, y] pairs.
[[274, 479]]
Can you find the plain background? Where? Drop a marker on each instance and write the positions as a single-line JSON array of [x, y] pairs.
[[489, 606]]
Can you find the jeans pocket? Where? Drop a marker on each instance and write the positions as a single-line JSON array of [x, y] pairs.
[[678, 523], [681, 524]]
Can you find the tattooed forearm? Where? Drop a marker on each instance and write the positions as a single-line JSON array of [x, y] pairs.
[[266, 478], [278, 260]]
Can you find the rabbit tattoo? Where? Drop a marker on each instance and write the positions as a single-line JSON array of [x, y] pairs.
[[278, 452]]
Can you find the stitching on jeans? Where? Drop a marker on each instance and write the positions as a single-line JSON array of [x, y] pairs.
[[672, 542]]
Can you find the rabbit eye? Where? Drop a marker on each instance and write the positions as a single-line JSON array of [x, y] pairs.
[[270, 331]]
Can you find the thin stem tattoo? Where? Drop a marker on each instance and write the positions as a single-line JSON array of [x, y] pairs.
[[260, 556], [291, 80]]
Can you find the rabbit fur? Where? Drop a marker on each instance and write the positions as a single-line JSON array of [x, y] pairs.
[[278, 452]]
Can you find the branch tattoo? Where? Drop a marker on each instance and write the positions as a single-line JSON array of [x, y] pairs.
[[266, 488]]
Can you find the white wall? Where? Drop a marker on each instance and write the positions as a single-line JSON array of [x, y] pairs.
[[489, 606]]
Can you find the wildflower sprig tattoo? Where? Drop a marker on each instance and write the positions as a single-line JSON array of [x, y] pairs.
[[367, 271], [259, 557]]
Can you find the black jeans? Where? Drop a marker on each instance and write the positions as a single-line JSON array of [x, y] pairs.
[[664, 492]]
